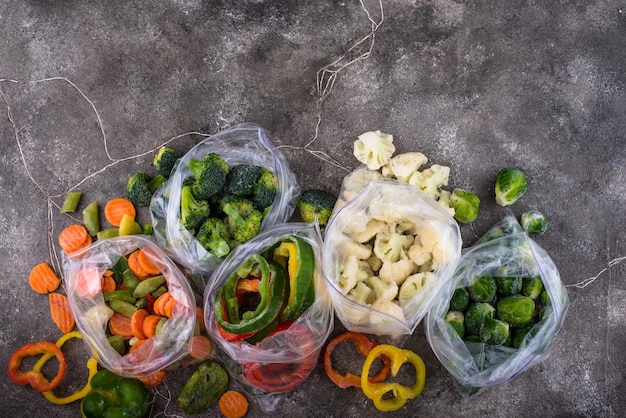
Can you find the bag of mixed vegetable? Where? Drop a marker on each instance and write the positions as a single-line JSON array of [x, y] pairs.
[[389, 248], [500, 313], [269, 312], [221, 193], [133, 306]]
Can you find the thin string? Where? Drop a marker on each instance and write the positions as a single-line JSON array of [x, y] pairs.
[[584, 283]]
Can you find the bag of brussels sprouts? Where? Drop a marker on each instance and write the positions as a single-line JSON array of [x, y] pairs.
[[241, 145], [500, 313]]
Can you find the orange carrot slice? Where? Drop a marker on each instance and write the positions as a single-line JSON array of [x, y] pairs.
[[233, 404], [200, 347], [108, 284], [169, 307], [116, 208], [136, 323], [138, 343], [43, 279], [158, 305], [147, 260], [149, 325], [120, 325], [73, 238], [135, 267], [153, 379], [60, 312]]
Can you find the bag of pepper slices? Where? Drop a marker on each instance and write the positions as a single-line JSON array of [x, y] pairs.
[[241, 144], [133, 306], [500, 313], [268, 311]]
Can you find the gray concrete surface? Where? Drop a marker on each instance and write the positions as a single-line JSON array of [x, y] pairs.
[[476, 85]]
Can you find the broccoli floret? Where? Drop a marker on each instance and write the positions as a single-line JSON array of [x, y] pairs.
[[213, 236], [316, 203], [265, 191], [138, 189], [192, 211], [209, 174], [164, 161], [242, 179], [244, 220]]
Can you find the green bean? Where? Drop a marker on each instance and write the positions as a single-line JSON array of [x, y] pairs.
[[148, 285], [91, 218], [108, 233], [70, 204]]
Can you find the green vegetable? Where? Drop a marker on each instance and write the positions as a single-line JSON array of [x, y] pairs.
[[465, 204], [459, 300], [193, 212], [494, 332], [203, 388], [164, 161], [91, 218], [138, 189], [130, 280], [517, 310], [519, 334], [148, 285], [71, 201], [242, 179], [534, 222], [265, 191], [475, 316], [457, 321], [123, 295], [544, 298], [117, 342], [214, 236], [122, 307], [108, 233], [532, 287], [209, 174], [315, 203], [509, 286], [118, 269], [147, 228], [115, 396], [483, 289], [510, 186], [243, 219]]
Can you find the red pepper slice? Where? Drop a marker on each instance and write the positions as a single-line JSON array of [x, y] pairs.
[[230, 336], [363, 346], [36, 379]]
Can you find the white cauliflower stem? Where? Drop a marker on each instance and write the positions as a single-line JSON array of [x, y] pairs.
[[374, 149]]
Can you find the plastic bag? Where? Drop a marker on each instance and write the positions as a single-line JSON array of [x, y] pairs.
[[504, 251], [289, 354], [424, 237], [82, 279], [242, 144]]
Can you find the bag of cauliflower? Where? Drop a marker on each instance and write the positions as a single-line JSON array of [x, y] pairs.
[[506, 322], [389, 249], [241, 144]]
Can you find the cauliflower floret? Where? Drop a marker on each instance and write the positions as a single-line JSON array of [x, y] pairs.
[[373, 227], [374, 262], [383, 290], [374, 149], [407, 227], [444, 202], [388, 307], [385, 212], [431, 179], [362, 294], [427, 251], [402, 166], [355, 224], [347, 246], [396, 272], [419, 254], [390, 245], [414, 284], [353, 271]]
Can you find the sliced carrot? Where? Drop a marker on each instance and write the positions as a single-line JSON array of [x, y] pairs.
[[120, 325], [200, 317], [158, 305], [135, 267], [200, 347], [136, 323], [87, 285], [116, 208], [233, 404], [149, 325], [153, 379], [138, 343], [108, 273], [169, 307], [146, 260], [73, 238], [108, 284], [60, 312], [248, 285], [43, 279]]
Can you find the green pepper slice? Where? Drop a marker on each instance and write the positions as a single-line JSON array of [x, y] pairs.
[[113, 395]]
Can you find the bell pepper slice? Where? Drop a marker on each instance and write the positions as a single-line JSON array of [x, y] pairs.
[[364, 346], [378, 392], [298, 259], [92, 367], [36, 379], [113, 395]]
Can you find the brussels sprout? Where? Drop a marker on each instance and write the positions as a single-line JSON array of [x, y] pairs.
[[510, 186], [472, 339], [532, 287], [544, 298], [520, 333], [456, 320], [465, 204], [483, 289], [475, 315], [516, 311], [494, 332], [509, 286], [534, 222], [460, 299]]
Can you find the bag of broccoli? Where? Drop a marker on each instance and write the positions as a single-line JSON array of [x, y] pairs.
[[388, 250], [239, 164], [144, 277], [268, 310], [501, 311]]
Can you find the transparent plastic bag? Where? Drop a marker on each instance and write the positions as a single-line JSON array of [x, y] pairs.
[[294, 347], [242, 144], [504, 251], [365, 206], [82, 280]]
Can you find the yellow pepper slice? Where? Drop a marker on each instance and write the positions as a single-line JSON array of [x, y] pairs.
[[92, 366], [401, 394]]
